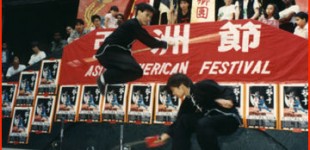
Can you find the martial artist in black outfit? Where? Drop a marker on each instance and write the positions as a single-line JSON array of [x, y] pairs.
[[208, 110], [115, 55]]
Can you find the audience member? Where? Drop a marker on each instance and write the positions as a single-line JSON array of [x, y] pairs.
[[183, 14], [7, 57], [120, 19], [96, 20], [69, 30], [110, 18], [302, 25], [15, 68], [38, 54], [226, 12], [78, 32], [287, 20], [58, 43], [247, 9], [270, 16]]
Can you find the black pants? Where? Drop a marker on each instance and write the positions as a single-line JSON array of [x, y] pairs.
[[120, 66], [207, 129]]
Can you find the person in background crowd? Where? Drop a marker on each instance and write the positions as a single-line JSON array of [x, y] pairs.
[[247, 9], [207, 109], [96, 20], [270, 16], [115, 52], [302, 25], [120, 19], [7, 57], [58, 43], [15, 68], [226, 12], [110, 18], [69, 30], [38, 54], [183, 14], [78, 32], [287, 19]]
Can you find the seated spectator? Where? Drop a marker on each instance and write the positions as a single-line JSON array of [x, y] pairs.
[[58, 43], [7, 57], [247, 9], [38, 54], [287, 20], [183, 14], [302, 25], [96, 20], [270, 16], [110, 20], [120, 19], [69, 30], [15, 68], [78, 32], [226, 12]]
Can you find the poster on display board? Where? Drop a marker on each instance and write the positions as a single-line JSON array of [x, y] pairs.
[[43, 114], [261, 105], [67, 103], [239, 92], [49, 77], [27, 88], [140, 104], [294, 106], [9, 91], [20, 125], [166, 105], [115, 102], [90, 104]]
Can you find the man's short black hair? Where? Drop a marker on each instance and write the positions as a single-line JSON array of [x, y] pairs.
[[34, 44], [144, 6], [93, 17], [114, 8], [177, 79], [302, 15], [79, 21]]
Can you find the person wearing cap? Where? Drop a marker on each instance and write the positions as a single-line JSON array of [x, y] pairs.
[[110, 20], [115, 52], [207, 109]]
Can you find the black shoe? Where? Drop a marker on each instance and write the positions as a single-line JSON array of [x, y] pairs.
[[101, 86]]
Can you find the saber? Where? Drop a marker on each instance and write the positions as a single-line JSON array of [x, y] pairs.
[[201, 39]]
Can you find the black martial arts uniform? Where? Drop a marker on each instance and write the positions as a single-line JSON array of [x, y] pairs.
[[115, 55], [200, 114]]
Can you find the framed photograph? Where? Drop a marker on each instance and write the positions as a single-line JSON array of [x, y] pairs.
[[49, 77], [140, 105], [261, 105], [9, 91], [166, 105], [20, 125], [27, 88], [115, 102], [43, 114], [294, 106], [239, 92], [67, 103], [90, 105]]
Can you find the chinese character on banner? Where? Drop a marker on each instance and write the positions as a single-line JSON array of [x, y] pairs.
[[202, 12], [203, 2], [230, 37]]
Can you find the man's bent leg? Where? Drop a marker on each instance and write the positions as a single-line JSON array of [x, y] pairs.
[[184, 127]]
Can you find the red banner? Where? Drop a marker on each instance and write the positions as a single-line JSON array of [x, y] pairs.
[[243, 50]]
